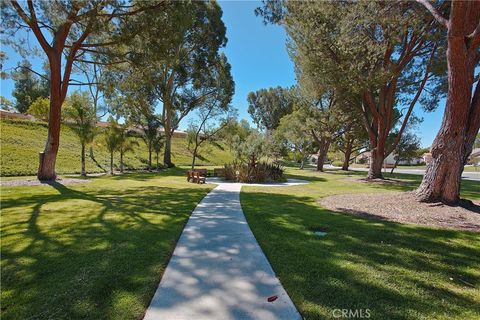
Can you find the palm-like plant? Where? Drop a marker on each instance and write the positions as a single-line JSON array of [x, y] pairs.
[[81, 117], [125, 143], [112, 138]]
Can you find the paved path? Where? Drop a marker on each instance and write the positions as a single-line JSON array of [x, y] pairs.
[[467, 175], [218, 270]]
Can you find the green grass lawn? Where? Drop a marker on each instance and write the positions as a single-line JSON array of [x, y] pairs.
[[91, 251], [21, 141], [468, 168], [397, 271]]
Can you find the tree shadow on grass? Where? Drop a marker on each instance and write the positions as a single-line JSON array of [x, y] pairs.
[[397, 271], [92, 254]]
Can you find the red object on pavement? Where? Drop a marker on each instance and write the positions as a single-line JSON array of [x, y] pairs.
[[272, 298]]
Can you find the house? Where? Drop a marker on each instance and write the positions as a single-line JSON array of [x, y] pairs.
[[390, 160], [474, 157]]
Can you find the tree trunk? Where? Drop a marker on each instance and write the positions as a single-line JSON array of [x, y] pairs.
[[348, 153], [376, 164], [84, 172], [149, 155], [322, 154], [158, 167], [461, 119], [194, 157], [46, 168], [111, 163], [395, 165], [121, 161], [302, 163], [167, 156]]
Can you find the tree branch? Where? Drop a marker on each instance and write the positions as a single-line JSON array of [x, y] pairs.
[[442, 20]]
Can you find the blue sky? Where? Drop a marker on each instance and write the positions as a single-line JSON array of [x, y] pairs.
[[259, 59]]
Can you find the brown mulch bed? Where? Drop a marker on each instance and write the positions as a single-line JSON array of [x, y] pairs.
[[36, 182], [404, 208], [389, 181]]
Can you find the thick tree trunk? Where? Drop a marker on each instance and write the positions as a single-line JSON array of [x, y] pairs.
[[461, 119], [111, 163], [84, 172], [376, 164], [348, 153], [322, 154], [46, 169]]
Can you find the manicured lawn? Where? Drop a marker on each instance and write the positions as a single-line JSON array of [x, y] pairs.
[[21, 142], [396, 271], [91, 251]]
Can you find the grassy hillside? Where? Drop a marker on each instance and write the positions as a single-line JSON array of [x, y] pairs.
[[21, 141]]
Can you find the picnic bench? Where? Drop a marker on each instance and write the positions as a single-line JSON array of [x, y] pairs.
[[197, 176]]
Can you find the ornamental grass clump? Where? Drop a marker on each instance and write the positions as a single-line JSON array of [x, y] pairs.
[[254, 172]]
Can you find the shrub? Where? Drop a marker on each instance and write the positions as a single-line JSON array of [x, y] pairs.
[[259, 173]]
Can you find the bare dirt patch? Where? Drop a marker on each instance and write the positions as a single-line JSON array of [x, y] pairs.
[[36, 182], [404, 208]]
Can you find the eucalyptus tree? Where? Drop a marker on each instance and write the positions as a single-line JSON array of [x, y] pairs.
[[386, 53], [65, 31], [81, 117], [214, 111], [461, 120], [268, 106], [172, 59]]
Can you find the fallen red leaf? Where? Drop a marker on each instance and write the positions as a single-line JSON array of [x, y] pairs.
[[272, 298]]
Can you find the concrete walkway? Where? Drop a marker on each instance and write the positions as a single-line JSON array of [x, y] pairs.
[[218, 270]]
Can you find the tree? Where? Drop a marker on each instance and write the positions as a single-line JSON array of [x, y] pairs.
[[158, 144], [461, 119], [112, 139], [28, 88], [213, 108], [82, 119], [352, 140], [5, 104], [291, 130], [125, 143], [406, 149], [150, 126], [64, 29], [170, 64], [268, 106], [382, 55], [39, 108]]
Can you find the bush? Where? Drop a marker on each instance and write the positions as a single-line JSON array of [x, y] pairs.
[[259, 173]]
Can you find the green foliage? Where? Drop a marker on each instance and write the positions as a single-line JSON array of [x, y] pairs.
[[260, 172], [81, 116], [268, 106], [5, 104], [407, 148], [28, 88], [21, 142], [40, 108]]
